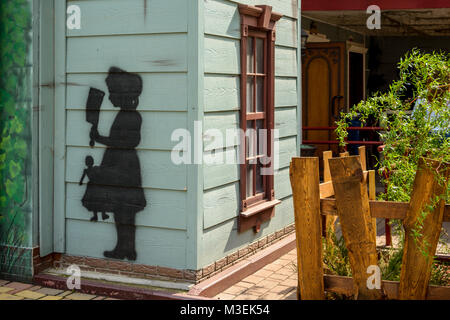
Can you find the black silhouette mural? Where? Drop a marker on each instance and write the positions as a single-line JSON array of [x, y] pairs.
[[115, 185], [93, 105], [94, 175]]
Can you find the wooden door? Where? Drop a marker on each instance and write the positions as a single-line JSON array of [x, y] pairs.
[[323, 91]]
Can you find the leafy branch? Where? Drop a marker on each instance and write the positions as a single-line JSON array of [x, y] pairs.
[[415, 113]]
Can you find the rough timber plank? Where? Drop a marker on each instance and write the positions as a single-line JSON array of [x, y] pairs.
[[416, 265], [304, 175], [354, 214], [330, 221]]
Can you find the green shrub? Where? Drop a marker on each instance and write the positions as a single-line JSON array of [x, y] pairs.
[[424, 83], [336, 261]]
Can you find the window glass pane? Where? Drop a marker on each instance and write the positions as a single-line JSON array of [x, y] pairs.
[[259, 55], [250, 55], [249, 179], [260, 94], [250, 87], [259, 180], [251, 137], [262, 138]]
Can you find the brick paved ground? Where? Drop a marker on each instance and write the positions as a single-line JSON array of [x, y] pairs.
[[276, 281], [23, 291]]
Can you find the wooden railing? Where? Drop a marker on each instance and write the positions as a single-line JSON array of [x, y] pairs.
[[369, 143]]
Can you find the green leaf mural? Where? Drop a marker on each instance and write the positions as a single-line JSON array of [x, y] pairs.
[[15, 121]]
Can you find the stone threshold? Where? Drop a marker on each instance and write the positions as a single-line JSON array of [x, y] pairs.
[[113, 290], [115, 278]]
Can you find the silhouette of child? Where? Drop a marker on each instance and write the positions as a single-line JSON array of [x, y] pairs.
[[119, 180], [92, 174]]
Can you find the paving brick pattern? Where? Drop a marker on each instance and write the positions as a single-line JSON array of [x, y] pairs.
[[276, 281], [23, 291]]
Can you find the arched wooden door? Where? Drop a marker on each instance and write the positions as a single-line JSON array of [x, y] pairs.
[[323, 90]]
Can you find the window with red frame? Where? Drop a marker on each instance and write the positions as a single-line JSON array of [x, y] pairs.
[[257, 108], [256, 116]]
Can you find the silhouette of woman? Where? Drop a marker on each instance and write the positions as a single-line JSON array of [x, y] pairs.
[[119, 182]]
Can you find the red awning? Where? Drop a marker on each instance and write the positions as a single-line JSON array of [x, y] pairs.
[[327, 5]]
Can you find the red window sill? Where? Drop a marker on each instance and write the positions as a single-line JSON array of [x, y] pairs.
[[259, 208]]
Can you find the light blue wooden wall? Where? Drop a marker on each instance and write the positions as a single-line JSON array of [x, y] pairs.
[[221, 111], [187, 53], [149, 38]]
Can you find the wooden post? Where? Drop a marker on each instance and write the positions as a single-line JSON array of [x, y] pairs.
[[326, 167], [416, 265], [352, 205], [344, 154], [372, 196], [387, 226], [372, 185], [328, 221], [362, 154], [304, 176]]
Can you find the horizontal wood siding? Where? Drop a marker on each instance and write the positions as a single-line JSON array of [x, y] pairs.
[[220, 174], [287, 32], [118, 17], [223, 239], [221, 17], [287, 150], [222, 104], [154, 246], [157, 169], [216, 175], [163, 91], [286, 121], [286, 92], [220, 122], [156, 130], [222, 93], [133, 53], [222, 55], [220, 204], [148, 38], [168, 208]]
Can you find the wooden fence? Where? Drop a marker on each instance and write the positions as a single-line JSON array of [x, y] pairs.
[[326, 188], [347, 179]]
